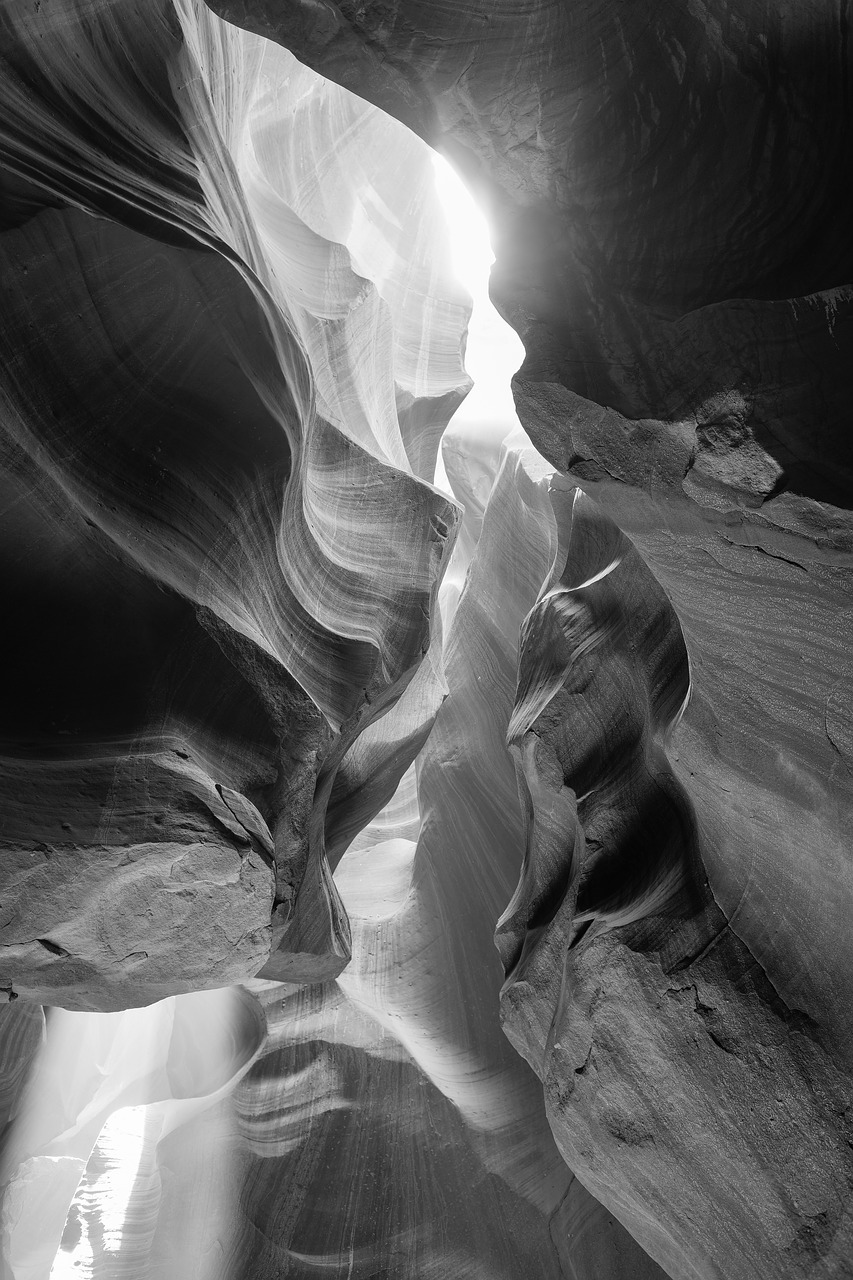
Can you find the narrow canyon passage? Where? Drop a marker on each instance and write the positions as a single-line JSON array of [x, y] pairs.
[[426, 746], [380, 1123]]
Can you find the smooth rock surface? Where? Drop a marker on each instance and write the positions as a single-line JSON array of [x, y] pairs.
[[229, 344], [669, 191], [227, 362], [660, 1039], [388, 1127]]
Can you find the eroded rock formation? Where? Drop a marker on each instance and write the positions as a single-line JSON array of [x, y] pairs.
[[218, 423], [670, 192], [230, 344]]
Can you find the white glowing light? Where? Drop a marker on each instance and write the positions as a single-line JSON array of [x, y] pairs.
[[119, 1146], [106, 1089], [472, 251], [76, 1263], [472, 442], [494, 350]]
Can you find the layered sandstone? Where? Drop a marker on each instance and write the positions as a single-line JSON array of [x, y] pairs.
[[242, 738], [669, 192], [224, 382]]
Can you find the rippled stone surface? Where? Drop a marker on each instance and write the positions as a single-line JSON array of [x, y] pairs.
[[669, 191], [227, 362], [229, 345]]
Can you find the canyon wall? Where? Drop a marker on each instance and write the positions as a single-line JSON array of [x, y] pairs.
[[246, 742], [222, 549], [669, 190]]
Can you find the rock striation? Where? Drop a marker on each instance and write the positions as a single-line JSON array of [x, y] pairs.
[[245, 741], [660, 1039], [220, 425], [669, 191]]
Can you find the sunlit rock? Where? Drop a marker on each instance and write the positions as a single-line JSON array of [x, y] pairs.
[[224, 384], [392, 1097], [245, 737], [670, 192], [83, 1159], [21, 1034], [658, 1035]]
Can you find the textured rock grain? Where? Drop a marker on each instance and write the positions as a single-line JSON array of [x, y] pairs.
[[669, 192], [224, 382], [227, 356]]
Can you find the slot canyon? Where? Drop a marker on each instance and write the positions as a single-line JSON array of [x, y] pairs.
[[427, 731]]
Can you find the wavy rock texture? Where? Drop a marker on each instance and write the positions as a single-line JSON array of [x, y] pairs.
[[22, 1034], [653, 1026], [670, 194], [227, 362], [229, 347], [386, 1126]]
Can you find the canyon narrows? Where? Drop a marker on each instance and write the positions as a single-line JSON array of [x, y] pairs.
[[413, 879]]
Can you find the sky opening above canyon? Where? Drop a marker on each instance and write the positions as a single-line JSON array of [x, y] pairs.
[[493, 350]]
